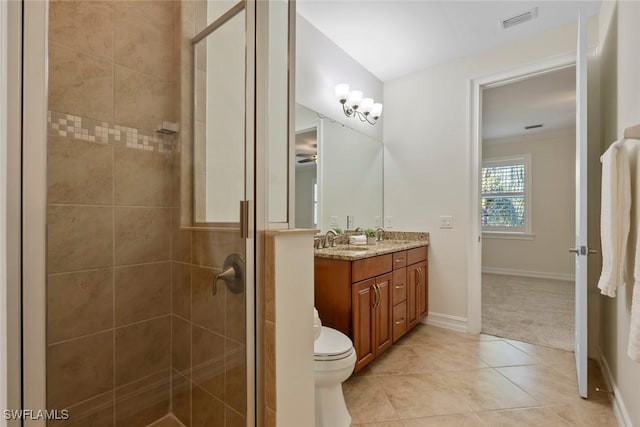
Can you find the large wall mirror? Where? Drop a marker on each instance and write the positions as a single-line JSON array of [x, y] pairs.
[[339, 173]]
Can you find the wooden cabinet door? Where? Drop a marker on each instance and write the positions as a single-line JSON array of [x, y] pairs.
[[412, 296], [422, 298], [363, 299], [383, 314]]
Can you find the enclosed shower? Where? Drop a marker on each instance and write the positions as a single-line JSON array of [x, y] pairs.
[[140, 218]]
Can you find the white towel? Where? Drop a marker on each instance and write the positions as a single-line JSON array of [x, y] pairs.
[[357, 240], [615, 217], [633, 349]]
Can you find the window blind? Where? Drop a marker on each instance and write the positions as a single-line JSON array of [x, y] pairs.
[[503, 195]]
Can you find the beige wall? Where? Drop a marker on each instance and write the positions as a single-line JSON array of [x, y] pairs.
[[289, 374], [427, 150], [619, 35], [553, 206]]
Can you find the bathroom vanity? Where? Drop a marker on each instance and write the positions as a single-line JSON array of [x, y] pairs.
[[373, 294]]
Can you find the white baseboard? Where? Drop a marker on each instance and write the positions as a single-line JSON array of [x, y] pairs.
[[619, 408], [525, 273], [455, 323]]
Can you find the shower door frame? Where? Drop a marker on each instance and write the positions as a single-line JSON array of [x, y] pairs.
[[247, 226], [11, 140], [35, 21], [27, 170]]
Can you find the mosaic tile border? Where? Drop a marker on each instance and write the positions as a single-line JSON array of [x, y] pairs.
[[91, 130]]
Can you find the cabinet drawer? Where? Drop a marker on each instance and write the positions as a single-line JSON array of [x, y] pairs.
[[371, 267], [399, 259], [416, 255], [399, 320], [399, 285]]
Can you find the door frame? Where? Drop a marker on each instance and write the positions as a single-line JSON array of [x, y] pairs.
[[34, 205], [477, 85], [10, 209]]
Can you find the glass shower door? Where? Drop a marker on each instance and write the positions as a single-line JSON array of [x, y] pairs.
[[150, 243], [223, 172]]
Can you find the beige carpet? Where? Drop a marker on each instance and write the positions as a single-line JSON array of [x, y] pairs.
[[537, 311]]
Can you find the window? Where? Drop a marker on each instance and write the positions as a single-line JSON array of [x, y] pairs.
[[506, 195], [315, 202]]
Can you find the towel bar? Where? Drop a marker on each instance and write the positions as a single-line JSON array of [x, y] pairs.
[[632, 132]]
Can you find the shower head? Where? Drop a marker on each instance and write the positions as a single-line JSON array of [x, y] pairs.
[[168, 128]]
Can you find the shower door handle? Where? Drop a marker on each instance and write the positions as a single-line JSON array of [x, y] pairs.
[[232, 274]]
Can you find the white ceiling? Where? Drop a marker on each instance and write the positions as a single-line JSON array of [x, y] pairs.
[[392, 38], [549, 99]]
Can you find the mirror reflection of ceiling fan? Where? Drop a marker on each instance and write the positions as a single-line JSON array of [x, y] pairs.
[[307, 146], [307, 158]]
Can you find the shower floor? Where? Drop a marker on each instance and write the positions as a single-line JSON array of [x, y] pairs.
[[167, 421]]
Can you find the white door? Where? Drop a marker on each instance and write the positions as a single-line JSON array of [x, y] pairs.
[[581, 249]]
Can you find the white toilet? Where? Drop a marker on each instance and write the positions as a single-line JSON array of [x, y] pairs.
[[334, 360]]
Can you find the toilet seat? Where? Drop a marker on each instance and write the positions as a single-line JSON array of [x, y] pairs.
[[332, 345]]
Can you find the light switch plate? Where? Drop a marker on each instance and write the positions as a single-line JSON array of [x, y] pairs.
[[446, 221], [388, 223], [334, 221], [378, 221]]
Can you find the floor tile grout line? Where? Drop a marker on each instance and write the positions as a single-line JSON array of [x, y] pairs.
[[517, 386], [535, 403]]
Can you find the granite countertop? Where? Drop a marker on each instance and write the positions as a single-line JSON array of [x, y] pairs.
[[399, 242]]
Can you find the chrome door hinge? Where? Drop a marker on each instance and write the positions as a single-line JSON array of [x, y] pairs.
[[583, 250]]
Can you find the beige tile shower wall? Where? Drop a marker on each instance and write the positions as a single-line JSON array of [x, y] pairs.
[[110, 185], [208, 331]]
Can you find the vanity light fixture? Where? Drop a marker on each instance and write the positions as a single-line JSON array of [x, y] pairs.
[[354, 105]]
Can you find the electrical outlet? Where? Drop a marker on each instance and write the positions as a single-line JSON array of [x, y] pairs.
[[446, 221], [378, 221], [334, 221], [388, 222]]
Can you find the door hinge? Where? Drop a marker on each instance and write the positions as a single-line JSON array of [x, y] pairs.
[[244, 219]]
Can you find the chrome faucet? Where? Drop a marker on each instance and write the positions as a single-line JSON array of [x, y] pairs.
[[359, 229], [380, 232], [330, 239]]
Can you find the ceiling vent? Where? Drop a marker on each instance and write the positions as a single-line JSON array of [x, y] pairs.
[[519, 19], [539, 125]]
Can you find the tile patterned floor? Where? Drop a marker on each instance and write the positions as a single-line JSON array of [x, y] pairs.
[[437, 377]]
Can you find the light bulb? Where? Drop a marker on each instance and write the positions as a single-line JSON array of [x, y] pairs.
[[342, 92], [376, 110], [355, 99], [366, 106]]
